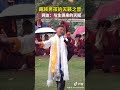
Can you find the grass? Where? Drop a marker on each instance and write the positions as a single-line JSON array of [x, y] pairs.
[[76, 70], [98, 80], [12, 80], [24, 80]]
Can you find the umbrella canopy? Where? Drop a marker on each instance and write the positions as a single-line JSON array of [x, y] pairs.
[[80, 30], [44, 30], [106, 10], [18, 10]]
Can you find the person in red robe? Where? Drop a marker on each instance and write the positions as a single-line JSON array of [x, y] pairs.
[[77, 43], [81, 47], [67, 25]]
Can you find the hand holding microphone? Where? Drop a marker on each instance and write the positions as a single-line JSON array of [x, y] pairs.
[[65, 38]]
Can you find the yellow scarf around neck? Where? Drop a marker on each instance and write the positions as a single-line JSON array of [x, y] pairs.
[[54, 58]]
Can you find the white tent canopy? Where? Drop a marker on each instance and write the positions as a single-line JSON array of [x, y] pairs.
[[44, 30], [18, 10]]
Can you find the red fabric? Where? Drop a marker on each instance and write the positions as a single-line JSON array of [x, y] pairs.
[[73, 41], [39, 37], [82, 43], [67, 26]]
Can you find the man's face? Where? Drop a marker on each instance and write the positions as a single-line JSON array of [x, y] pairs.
[[60, 31]]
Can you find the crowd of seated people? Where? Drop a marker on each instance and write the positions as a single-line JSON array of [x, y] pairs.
[[39, 50], [105, 45], [76, 45]]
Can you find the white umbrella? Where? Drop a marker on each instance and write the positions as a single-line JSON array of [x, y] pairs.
[[19, 10], [45, 30]]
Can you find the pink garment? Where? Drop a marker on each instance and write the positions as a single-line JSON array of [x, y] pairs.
[[79, 30], [109, 9]]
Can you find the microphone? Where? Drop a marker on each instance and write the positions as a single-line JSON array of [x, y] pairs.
[[65, 39]]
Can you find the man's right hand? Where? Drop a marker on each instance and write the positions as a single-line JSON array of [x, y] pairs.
[[39, 43]]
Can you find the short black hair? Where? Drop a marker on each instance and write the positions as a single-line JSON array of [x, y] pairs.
[[59, 26]]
